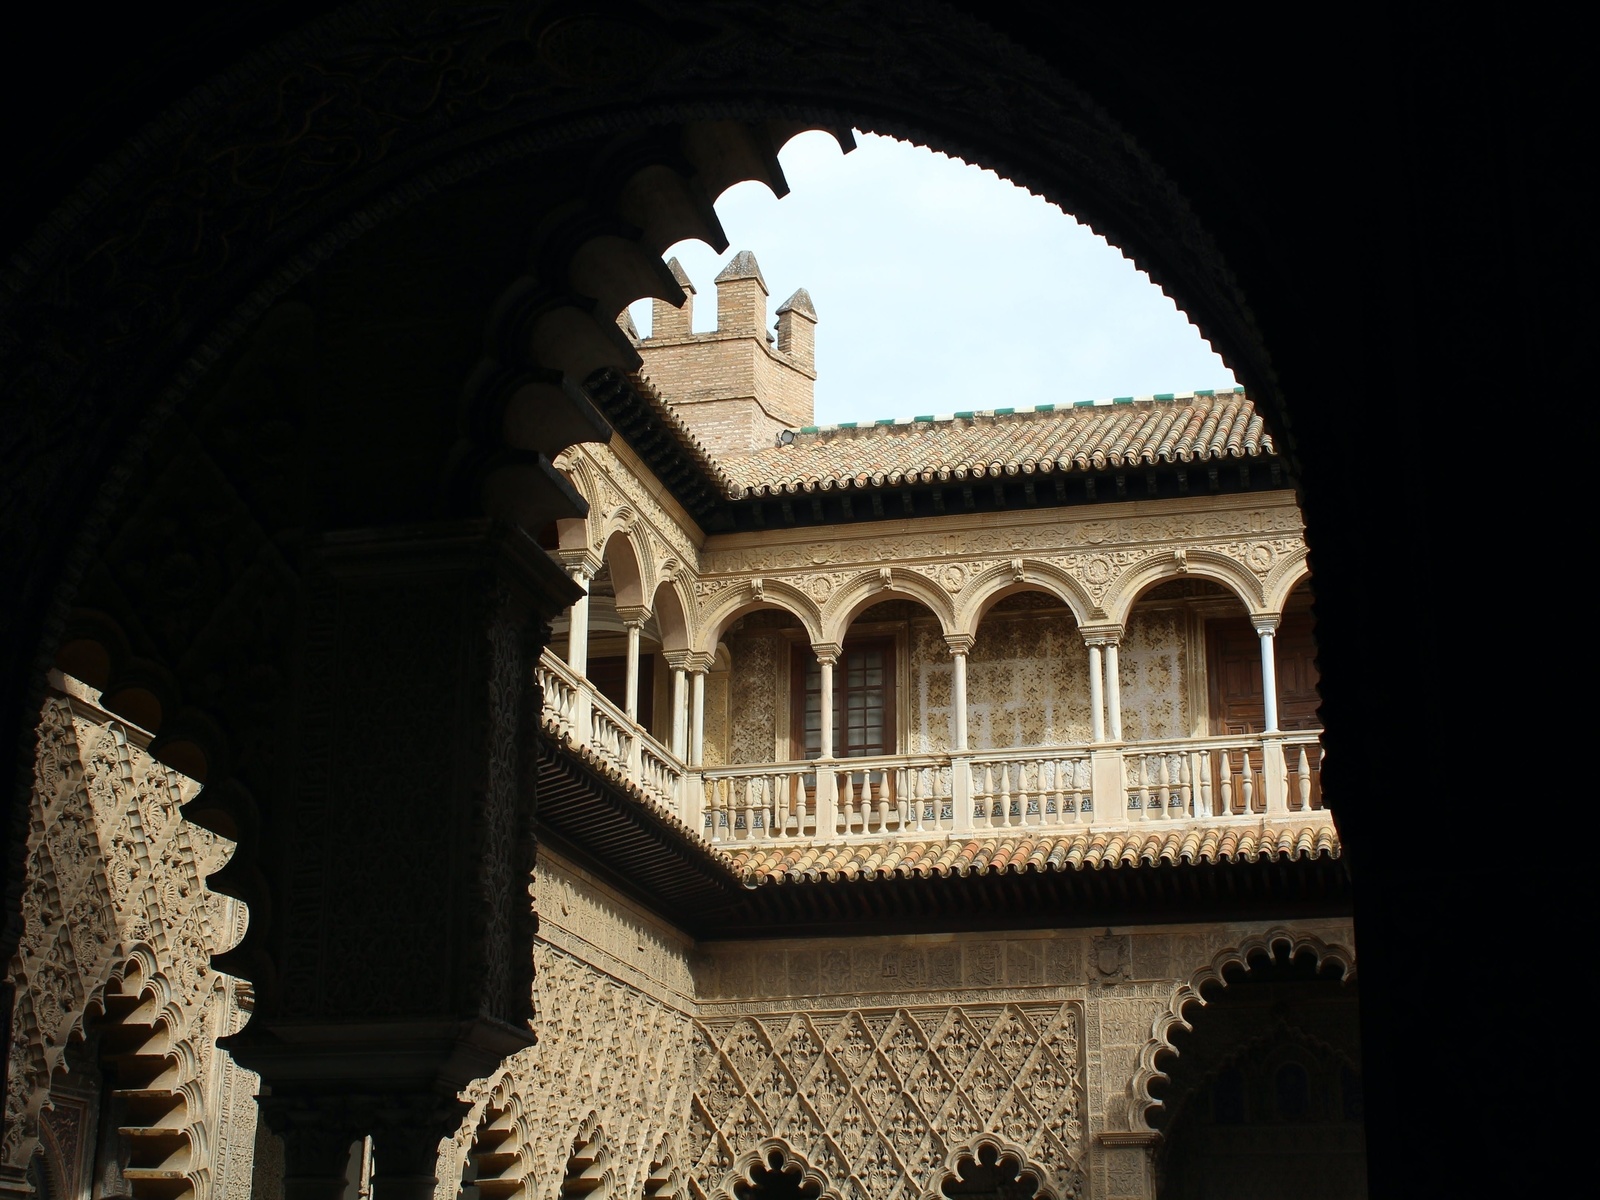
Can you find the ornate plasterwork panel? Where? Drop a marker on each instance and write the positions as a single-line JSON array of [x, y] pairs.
[[878, 1099], [759, 675], [114, 891], [1154, 673], [613, 998]]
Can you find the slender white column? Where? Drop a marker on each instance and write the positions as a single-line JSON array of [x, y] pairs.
[[960, 644], [826, 657], [578, 627], [697, 705], [633, 621], [680, 710], [1266, 627], [633, 671], [1113, 693], [1097, 706]]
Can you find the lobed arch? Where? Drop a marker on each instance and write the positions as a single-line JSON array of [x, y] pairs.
[[774, 1156], [733, 603], [1213, 974], [993, 1152], [1287, 574], [1001, 580], [1201, 564], [867, 588]]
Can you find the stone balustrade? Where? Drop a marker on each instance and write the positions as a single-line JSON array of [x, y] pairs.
[[1111, 786]]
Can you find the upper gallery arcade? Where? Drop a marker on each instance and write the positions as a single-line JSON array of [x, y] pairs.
[[825, 634]]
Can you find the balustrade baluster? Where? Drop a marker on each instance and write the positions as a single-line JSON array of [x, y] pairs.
[[1005, 794], [883, 800], [1247, 783], [1163, 789], [1185, 800], [1225, 785], [1302, 774]]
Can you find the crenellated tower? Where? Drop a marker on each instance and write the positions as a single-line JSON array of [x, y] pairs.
[[736, 386]]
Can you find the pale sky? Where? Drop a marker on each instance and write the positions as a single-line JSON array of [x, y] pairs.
[[940, 287]]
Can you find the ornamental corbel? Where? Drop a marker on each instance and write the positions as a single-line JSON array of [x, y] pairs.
[[1016, 569], [885, 579], [758, 589]]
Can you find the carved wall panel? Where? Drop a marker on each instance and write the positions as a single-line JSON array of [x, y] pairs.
[[878, 1099], [759, 679], [1154, 662], [613, 998], [114, 896]]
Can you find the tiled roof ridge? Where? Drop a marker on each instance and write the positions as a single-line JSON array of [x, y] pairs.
[[1023, 852], [1126, 431], [881, 424]]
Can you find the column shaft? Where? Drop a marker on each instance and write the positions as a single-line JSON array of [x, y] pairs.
[[826, 666], [697, 735], [958, 702], [578, 627], [1097, 718], [632, 694], [1269, 680], [679, 714], [1113, 693]]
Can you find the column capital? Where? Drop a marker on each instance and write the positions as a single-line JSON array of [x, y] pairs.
[[1266, 623], [826, 652], [678, 660], [1107, 634], [579, 563], [633, 614], [699, 662], [959, 643]]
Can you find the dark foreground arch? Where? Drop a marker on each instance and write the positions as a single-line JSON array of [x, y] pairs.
[[1377, 203]]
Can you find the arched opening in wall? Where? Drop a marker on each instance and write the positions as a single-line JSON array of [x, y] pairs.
[[1192, 663], [988, 1174], [623, 652], [777, 1176], [749, 792], [886, 712], [1026, 711], [1264, 1092]]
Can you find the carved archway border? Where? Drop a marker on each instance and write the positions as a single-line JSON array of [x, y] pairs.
[[1200, 562], [1006, 1155], [763, 1154], [1287, 574], [1140, 1101], [991, 582], [863, 589]]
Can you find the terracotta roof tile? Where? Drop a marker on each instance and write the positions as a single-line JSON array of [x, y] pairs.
[[1294, 839], [987, 444]]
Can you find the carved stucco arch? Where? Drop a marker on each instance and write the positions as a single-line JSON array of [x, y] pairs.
[[868, 587], [1213, 974], [774, 1153], [1006, 1155], [1286, 575], [729, 605], [1000, 580], [1126, 589]]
